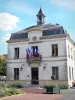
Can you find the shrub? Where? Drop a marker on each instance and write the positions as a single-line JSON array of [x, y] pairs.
[[63, 86], [7, 90], [50, 86], [53, 77], [10, 91], [2, 92], [19, 92], [16, 85], [2, 85]]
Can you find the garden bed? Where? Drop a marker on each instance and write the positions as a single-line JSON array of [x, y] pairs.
[[8, 90]]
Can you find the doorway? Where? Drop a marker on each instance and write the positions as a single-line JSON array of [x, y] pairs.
[[34, 76]]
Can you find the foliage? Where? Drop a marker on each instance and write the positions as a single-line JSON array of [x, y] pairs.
[[60, 86], [50, 86], [16, 85], [2, 92], [53, 77], [2, 66], [7, 90], [63, 86]]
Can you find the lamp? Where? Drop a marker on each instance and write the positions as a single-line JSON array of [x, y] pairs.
[[44, 66], [21, 67]]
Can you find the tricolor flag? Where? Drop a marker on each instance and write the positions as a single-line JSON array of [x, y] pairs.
[[37, 50], [30, 52], [27, 54]]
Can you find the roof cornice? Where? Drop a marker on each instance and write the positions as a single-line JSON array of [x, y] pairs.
[[14, 41]]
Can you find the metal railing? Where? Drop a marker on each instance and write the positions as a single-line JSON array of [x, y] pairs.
[[34, 59]]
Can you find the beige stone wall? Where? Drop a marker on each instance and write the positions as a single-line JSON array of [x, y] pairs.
[[51, 82], [23, 82], [41, 82]]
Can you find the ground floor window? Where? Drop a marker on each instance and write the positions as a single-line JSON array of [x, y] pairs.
[[55, 72], [70, 72], [16, 73]]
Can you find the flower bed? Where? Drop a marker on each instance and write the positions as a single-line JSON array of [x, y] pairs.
[[7, 90]]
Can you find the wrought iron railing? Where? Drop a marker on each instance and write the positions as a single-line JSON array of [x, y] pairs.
[[30, 59]]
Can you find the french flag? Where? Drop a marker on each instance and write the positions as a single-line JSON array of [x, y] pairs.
[[30, 52], [27, 54], [36, 50]]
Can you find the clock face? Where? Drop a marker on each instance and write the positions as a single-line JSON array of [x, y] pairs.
[[34, 38]]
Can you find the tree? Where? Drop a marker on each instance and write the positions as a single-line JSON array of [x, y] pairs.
[[2, 66]]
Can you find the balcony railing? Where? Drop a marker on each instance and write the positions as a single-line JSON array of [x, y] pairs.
[[34, 59]]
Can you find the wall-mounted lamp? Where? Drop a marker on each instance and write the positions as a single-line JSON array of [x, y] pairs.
[[44, 66], [21, 67]]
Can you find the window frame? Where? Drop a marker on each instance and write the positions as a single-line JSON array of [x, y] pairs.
[[16, 73], [57, 69], [16, 53], [54, 50], [69, 72]]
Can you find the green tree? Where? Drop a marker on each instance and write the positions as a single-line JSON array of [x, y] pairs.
[[2, 66]]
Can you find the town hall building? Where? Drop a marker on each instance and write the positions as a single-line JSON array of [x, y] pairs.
[[41, 54]]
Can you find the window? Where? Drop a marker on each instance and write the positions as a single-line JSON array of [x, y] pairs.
[[34, 50], [71, 52], [16, 73], [68, 51], [70, 72], [54, 49], [16, 53], [55, 72], [74, 55]]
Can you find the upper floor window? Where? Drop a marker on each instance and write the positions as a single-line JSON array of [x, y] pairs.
[[35, 50], [16, 53], [68, 51], [74, 55], [54, 49], [71, 53]]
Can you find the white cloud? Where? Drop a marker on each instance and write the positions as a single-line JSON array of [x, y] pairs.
[[70, 4], [8, 21], [5, 38]]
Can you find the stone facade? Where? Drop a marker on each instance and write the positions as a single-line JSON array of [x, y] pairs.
[[63, 61]]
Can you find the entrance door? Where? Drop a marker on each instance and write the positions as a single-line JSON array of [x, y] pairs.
[[34, 75]]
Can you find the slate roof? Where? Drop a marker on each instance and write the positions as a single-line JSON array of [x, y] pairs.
[[47, 29]]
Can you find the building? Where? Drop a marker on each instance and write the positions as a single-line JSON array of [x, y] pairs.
[[39, 52]]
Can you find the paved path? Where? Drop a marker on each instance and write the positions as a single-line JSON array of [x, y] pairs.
[[68, 94], [35, 90], [29, 96]]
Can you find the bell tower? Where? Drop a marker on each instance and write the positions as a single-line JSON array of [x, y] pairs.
[[40, 17]]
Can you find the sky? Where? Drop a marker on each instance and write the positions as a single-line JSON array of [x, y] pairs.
[[16, 15]]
